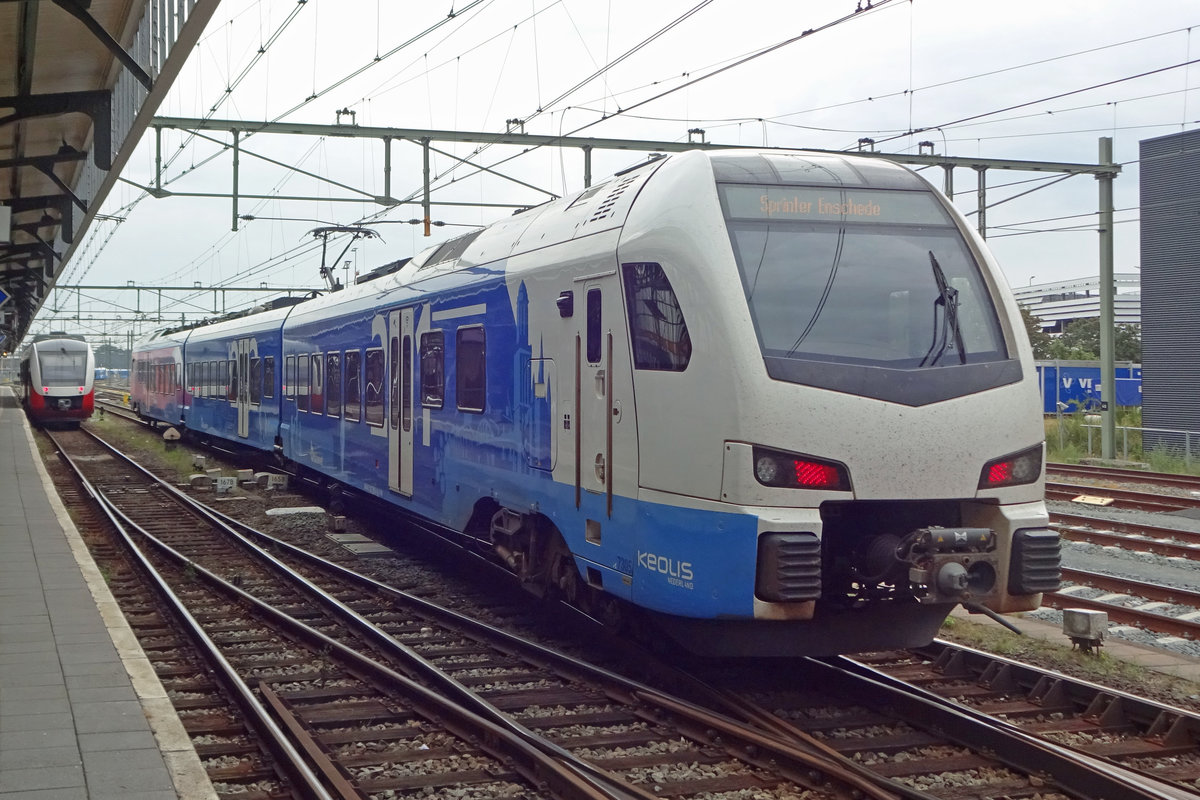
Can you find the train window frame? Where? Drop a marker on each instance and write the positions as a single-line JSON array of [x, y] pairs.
[[316, 385], [352, 370], [433, 369], [470, 390], [231, 392], [256, 381], [393, 361], [595, 324], [333, 384], [377, 357], [268, 382], [289, 377], [302, 382], [658, 330], [406, 382]]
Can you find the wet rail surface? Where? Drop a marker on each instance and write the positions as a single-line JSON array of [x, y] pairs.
[[581, 716]]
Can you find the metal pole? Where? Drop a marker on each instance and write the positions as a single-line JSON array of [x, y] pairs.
[[587, 167], [1058, 406], [158, 159], [948, 183], [236, 161], [1108, 373], [387, 167], [425, 202], [982, 201]]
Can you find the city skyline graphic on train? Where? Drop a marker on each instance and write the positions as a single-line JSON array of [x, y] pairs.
[[1022, 81]]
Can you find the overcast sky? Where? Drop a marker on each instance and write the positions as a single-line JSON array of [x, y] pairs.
[[1021, 79]]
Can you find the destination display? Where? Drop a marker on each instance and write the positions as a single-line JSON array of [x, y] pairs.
[[806, 203]]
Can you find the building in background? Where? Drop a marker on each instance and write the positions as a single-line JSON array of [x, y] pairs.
[[1060, 303], [1170, 271]]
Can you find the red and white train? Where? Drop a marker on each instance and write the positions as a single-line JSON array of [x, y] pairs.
[[58, 380]]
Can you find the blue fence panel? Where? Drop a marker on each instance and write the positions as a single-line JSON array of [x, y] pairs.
[[1077, 386]]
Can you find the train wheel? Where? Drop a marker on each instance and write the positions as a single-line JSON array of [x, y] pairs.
[[337, 498]]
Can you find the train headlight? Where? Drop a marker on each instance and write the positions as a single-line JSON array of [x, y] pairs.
[[766, 469], [795, 471], [1012, 470]]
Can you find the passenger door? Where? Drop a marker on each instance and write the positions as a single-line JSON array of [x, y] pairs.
[[605, 445], [400, 400], [242, 373]]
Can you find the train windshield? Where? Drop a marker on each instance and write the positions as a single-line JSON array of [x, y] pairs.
[[845, 280], [63, 363]]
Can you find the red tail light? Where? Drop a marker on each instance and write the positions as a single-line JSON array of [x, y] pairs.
[[794, 471], [1012, 470]]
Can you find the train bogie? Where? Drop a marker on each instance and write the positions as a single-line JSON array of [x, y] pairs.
[[780, 402]]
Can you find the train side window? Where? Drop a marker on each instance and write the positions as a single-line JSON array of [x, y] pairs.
[[256, 381], [406, 355], [374, 386], [656, 325], [433, 369], [353, 385], [235, 381], [394, 393], [268, 382], [470, 367], [594, 322], [302, 382], [333, 384], [289, 377], [316, 394]]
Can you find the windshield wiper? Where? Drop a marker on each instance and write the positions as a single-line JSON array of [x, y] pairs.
[[948, 300]]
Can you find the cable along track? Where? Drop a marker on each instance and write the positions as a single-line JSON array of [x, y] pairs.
[[632, 737]]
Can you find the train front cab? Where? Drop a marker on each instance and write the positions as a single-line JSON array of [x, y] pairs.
[[57, 379], [846, 514]]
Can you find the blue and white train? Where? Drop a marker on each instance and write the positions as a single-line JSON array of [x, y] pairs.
[[778, 402]]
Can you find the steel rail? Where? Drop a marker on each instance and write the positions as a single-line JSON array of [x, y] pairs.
[[474, 716], [1150, 591], [1125, 498], [857, 779], [1135, 538], [295, 765], [1191, 482], [568, 779], [1070, 768]]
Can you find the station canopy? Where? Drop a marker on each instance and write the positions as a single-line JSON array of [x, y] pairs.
[[79, 83]]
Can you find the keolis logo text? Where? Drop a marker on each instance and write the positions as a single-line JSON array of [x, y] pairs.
[[667, 566]]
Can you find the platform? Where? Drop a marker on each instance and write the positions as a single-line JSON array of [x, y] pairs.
[[82, 714]]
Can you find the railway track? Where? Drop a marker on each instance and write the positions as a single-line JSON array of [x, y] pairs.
[[651, 748], [1159, 741], [1187, 482], [638, 743], [1122, 498]]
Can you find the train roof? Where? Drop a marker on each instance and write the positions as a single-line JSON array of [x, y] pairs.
[[42, 337]]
